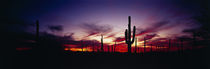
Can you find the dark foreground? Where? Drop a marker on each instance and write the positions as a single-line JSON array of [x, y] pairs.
[[197, 59]]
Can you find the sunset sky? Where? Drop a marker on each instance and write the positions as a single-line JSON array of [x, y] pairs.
[[88, 19]]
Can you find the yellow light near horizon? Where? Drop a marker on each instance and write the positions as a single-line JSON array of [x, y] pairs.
[[75, 49], [138, 44], [109, 40], [145, 46], [105, 40], [79, 49]]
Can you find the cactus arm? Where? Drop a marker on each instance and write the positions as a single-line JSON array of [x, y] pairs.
[[126, 36], [134, 32]]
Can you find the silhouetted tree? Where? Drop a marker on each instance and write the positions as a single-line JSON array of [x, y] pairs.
[[102, 45], [136, 45], [128, 40]]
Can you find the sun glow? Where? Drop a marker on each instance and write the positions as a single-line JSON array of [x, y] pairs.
[[105, 40], [139, 44], [78, 49], [108, 40]]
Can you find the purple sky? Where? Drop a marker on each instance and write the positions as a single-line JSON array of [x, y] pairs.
[[87, 19]]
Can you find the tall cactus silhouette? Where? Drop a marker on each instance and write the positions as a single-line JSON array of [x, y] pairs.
[[115, 46], [93, 46], [135, 45], [108, 48], [169, 44], [82, 45], [144, 45], [112, 48], [102, 45], [182, 46], [151, 48], [128, 40]]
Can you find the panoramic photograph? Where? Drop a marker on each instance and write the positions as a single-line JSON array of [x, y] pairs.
[[106, 34]]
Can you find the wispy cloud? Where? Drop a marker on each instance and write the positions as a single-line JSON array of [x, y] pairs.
[[110, 36], [154, 28], [94, 28], [55, 28], [119, 39]]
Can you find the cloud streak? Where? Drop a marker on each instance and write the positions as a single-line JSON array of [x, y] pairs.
[[94, 29], [154, 28], [55, 28], [119, 39]]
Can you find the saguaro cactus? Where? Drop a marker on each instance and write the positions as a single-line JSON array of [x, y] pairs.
[[112, 48], [182, 46], [135, 45], [108, 48], [115, 46], [144, 45], [102, 47], [151, 48], [93, 46], [82, 45], [169, 44], [128, 40]]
